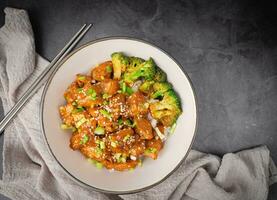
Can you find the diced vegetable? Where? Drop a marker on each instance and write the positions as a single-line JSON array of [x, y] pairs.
[[80, 122], [109, 68], [66, 127], [150, 150], [81, 78], [84, 139], [127, 137], [99, 131], [172, 128], [105, 113], [102, 145], [120, 121]]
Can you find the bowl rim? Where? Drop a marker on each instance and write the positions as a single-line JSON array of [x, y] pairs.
[[45, 89]]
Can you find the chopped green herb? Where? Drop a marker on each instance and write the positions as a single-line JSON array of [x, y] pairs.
[[96, 163], [130, 123], [106, 96], [120, 158], [127, 137], [99, 165], [120, 121], [102, 145], [81, 78], [173, 127], [98, 152], [105, 103], [123, 159], [90, 91], [99, 131], [105, 113], [80, 109], [66, 127], [129, 90], [117, 157], [93, 98], [80, 90], [109, 68], [84, 139], [80, 122], [151, 150]]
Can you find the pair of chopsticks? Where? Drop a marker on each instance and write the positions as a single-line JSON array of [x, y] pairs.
[[43, 77]]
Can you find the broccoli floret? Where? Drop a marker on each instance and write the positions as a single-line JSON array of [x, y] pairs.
[[145, 70], [160, 75], [146, 86], [168, 109], [134, 62], [120, 63], [159, 89]]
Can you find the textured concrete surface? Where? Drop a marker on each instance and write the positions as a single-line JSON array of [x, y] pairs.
[[227, 47]]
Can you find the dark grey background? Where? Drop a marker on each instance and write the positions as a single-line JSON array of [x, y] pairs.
[[227, 47]]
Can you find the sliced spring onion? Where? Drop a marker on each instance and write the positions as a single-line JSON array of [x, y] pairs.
[[90, 91], [113, 144], [74, 103], [127, 137], [66, 127], [117, 157], [123, 159], [120, 121], [98, 152], [84, 139], [98, 165], [80, 122], [129, 90], [120, 158], [105, 113], [81, 78], [105, 96], [109, 68], [80, 90], [129, 122], [123, 87], [172, 129], [150, 150], [102, 145], [80, 108], [99, 131]]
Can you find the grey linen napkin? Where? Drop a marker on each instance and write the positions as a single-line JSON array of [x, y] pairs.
[[30, 172]]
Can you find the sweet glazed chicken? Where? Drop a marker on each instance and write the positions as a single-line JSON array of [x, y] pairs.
[[121, 112]]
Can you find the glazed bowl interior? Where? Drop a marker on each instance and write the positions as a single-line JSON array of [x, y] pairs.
[[75, 164]]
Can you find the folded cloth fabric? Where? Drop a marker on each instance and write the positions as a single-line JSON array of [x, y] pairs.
[[30, 172]]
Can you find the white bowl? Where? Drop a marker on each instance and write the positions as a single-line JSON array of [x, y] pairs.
[[74, 163]]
